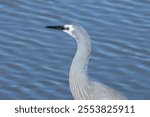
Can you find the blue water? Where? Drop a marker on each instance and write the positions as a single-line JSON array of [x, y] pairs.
[[35, 61]]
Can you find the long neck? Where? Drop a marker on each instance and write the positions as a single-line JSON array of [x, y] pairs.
[[78, 78]]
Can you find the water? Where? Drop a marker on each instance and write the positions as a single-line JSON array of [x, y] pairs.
[[35, 61]]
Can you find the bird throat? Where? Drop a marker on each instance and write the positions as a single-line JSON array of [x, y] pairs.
[[78, 78]]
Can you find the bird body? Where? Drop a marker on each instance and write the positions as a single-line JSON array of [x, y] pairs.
[[81, 86]]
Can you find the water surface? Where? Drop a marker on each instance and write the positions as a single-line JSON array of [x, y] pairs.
[[35, 61]]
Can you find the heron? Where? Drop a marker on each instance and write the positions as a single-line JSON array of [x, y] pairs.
[[83, 88]]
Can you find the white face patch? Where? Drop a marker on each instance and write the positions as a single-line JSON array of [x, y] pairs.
[[70, 30]]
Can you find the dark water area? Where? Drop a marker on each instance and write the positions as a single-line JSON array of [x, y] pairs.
[[35, 61]]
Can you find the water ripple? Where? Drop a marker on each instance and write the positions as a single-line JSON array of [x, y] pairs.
[[35, 62]]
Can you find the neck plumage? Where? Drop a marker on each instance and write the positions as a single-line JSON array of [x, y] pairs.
[[78, 77]]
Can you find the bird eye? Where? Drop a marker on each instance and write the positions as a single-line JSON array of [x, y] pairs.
[[67, 28]]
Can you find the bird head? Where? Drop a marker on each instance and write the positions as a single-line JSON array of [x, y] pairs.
[[68, 28]]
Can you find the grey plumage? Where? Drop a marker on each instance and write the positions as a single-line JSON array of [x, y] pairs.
[[81, 86]]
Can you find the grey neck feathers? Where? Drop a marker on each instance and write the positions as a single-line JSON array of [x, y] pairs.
[[78, 78]]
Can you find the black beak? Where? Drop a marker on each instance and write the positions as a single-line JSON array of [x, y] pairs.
[[56, 27]]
